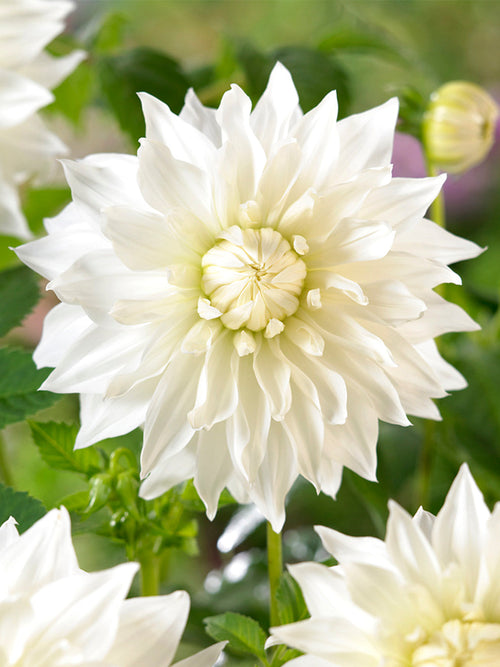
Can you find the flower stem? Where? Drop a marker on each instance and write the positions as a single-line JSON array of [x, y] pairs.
[[275, 570], [150, 580], [437, 209], [438, 215]]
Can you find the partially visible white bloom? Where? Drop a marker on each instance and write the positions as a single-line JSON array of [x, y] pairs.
[[53, 614], [255, 288], [427, 596], [27, 75]]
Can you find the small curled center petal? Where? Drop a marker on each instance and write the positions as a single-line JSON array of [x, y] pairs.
[[253, 277]]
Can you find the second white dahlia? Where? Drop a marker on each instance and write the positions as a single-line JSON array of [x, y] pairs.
[[53, 614], [427, 596], [255, 288]]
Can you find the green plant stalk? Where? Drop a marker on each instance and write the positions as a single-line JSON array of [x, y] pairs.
[[437, 209], [150, 575], [4, 468], [275, 570], [438, 215]]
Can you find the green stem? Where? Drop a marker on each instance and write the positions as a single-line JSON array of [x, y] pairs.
[[4, 468], [437, 209], [150, 579], [438, 215], [275, 570], [425, 463]]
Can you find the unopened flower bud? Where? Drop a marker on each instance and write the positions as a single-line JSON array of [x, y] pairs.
[[459, 126]]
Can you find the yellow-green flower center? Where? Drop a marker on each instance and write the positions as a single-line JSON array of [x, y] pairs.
[[460, 644], [254, 278]]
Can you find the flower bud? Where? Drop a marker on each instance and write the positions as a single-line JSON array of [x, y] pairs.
[[459, 126]]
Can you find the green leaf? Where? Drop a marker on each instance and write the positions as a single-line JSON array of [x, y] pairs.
[[43, 203], [73, 95], [19, 294], [24, 508], [55, 442], [291, 604], [314, 73], [19, 382], [106, 34], [244, 634], [140, 70], [347, 39]]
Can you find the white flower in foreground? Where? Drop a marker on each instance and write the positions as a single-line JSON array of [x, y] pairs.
[[52, 614], [426, 597], [255, 289], [27, 73]]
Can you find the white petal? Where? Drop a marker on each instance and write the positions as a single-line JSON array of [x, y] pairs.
[[169, 470], [213, 466], [233, 115], [273, 375], [8, 533], [103, 180], [167, 183], [184, 140], [324, 589], [206, 658], [270, 120], [12, 218], [352, 241], [332, 639], [52, 255], [167, 426], [403, 202], [29, 148], [84, 609], [449, 377], [141, 239], [19, 98], [25, 29], [103, 418], [304, 426], [217, 396], [49, 71], [62, 326], [203, 118], [94, 358], [459, 532], [353, 444], [366, 139], [410, 550], [44, 553], [317, 136], [433, 242], [248, 428], [98, 279], [150, 630], [347, 549], [276, 475]]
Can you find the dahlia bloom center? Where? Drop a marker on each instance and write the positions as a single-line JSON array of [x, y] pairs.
[[254, 278], [460, 644]]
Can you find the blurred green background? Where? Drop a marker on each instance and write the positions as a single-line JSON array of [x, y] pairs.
[[374, 50]]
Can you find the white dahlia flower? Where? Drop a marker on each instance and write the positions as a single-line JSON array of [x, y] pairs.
[[255, 289], [27, 73], [53, 614], [427, 596]]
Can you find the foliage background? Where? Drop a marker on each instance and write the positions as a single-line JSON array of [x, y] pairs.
[[370, 50]]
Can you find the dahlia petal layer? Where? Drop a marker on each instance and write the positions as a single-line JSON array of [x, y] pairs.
[[255, 289]]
